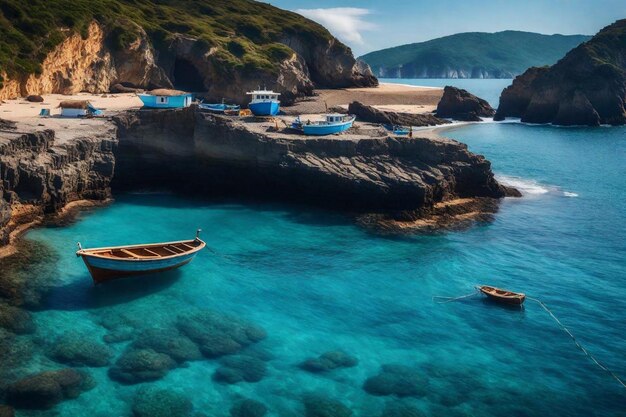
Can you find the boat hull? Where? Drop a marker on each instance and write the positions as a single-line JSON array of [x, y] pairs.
[[265, 109], [321, 130], [517, 299], [174, 102], [101, 275]]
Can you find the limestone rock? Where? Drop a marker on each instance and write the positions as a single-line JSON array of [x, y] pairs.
[[140, 365], [459, 104], [329, 361], [372, 115], [45, 389]]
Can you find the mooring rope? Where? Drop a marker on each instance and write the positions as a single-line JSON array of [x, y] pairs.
[[581, 347], [450, 299]]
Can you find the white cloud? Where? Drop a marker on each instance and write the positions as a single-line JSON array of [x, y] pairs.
[[346, 23]]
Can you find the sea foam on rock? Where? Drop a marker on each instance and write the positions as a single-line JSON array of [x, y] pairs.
[[45, 389]]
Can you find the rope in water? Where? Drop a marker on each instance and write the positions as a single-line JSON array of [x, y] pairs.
[[581, 347], [561, 325]]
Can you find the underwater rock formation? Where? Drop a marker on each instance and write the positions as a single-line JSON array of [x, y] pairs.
[[317, 405], [373, 115], [6, 411], [140, 365], [586, 87], [397, 409], [329, 361], [154, 402], [459, 104], [75, 349], [218, 334], [45, 389], [399, 380], [240, 368], [169, 342], [16, 320], [248, 408]]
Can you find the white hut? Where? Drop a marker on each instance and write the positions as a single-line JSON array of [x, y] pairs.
[[76, 108]]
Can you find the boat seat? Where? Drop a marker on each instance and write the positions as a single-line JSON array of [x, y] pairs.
[[134, 255], [187, 246], [170, 251], [151, 252]]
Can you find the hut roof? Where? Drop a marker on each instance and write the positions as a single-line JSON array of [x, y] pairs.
[[167, 92], [74, 104]]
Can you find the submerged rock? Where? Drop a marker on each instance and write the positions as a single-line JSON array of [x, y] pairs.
[[240, 368], [6, 411], [401, 410], [329, 361], [248, 408], [316, 405], [15, 352], [77, 350], [459, 104], [45, 389], [170, 342], [16, 320], [139, 365], [151, 402], [399, 380], [217, 334]]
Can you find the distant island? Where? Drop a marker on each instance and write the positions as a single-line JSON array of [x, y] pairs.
[[586, 87], [472, 55]]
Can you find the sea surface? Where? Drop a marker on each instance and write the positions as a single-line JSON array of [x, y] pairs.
[[488, 89], [315, 283]]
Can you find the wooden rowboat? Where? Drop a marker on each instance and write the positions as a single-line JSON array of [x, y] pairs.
[[502, 296], [106, 264]]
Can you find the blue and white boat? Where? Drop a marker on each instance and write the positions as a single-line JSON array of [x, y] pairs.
[[398, 130], [163, 98], [109, 263], [332, 124], [264, 103], [219, 107]]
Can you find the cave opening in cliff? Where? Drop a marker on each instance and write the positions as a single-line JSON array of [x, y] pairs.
[[186, 76]]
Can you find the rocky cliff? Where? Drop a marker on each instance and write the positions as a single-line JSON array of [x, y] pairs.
[[39, 177], [219, 48], [460, 104], [586, 87], [222, 156]]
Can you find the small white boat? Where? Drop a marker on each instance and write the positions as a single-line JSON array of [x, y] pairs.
[[109, 263], [264, 103]]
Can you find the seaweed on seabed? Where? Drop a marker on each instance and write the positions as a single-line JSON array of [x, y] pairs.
[[28, 274]]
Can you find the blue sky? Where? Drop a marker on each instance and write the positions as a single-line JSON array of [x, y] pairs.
[[368, 25]]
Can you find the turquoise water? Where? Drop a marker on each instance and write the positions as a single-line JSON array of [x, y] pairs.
[[488, 89], [315, 282]]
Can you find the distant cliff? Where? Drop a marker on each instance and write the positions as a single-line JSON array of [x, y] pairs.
[[472, 55], [219, 47], [586, 87]]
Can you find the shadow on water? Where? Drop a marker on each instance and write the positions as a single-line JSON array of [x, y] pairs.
[[82, 294]]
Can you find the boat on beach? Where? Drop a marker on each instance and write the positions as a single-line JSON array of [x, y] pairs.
[[220, 107], [332, 123], [502, 296], [398, 130], [264, 103], [109, 263]]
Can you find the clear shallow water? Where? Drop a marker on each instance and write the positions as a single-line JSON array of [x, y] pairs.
[[315, 282], [488, 89]]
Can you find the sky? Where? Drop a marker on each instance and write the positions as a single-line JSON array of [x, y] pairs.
[[370, 25]]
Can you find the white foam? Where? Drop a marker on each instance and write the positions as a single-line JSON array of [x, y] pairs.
[[568, 194], [532, 187]]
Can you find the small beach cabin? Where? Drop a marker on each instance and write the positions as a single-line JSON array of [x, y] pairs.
[[164, 98], [78, 108], [264, 103]]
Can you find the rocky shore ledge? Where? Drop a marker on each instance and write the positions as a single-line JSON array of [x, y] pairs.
[[365, 172]]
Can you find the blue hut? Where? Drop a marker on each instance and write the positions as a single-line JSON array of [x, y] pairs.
[[164, 98]]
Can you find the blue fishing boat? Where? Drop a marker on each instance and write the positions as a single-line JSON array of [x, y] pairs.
[[219, 107], [163, 98], [264, 103], [109, 263], [333, 123], [398, 130]]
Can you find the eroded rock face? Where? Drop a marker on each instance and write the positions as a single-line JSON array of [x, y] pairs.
[[459, 104], [372, 115], [45, 389], [586, 87]]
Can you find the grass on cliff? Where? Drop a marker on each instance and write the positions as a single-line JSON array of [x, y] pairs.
[[246, 33]]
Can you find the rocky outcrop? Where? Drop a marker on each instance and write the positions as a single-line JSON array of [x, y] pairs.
[[45, 389], [373, 115], [459, 104], [362, 173], [586, 87], [39, 176]]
